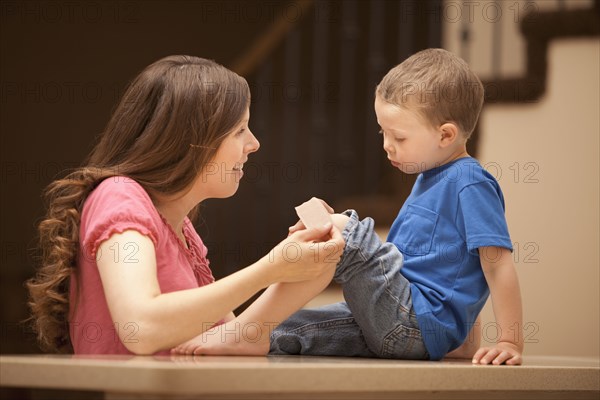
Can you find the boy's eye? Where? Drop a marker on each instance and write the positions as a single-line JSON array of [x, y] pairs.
[[380, 132], [399, 139]]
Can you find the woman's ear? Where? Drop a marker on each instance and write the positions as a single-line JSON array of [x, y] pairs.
[[449, 134]]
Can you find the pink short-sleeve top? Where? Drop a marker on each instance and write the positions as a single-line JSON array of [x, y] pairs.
[[116, 205]]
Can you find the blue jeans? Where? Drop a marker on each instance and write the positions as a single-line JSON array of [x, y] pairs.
[[377, 319]]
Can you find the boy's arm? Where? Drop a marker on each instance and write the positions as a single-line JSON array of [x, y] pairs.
[[501, 276]]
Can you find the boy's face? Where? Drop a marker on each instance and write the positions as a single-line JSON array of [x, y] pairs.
[[411, 145]]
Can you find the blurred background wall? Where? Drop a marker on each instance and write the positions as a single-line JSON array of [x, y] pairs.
[[544, 151], [312, 67]]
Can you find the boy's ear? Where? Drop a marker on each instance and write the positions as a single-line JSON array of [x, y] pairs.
[[449, 134]]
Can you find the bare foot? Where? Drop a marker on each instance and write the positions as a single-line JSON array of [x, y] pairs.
[[340, 221], [230, 338]]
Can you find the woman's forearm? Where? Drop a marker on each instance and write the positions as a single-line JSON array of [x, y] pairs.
[[159, 321]]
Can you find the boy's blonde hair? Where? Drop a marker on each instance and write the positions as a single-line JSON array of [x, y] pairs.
[[439, 86]]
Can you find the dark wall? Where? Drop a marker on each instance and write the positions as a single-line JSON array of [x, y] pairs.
[[63, 66]]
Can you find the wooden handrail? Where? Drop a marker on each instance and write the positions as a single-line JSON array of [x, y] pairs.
[[269, 39], [538, 29]]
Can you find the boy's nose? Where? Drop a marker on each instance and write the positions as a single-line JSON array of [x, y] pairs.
[[386, 146]]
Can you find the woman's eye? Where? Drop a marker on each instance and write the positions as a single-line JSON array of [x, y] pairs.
[[399, 139], [380, 132], [241, 131]]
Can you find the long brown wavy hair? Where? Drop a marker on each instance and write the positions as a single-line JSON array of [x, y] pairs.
[[168, 124]]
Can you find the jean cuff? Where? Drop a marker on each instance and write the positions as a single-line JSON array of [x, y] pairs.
[[361, 242]]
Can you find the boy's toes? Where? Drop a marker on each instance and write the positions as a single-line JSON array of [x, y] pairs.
[[181, 349]]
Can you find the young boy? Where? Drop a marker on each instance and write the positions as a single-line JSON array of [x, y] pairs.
[[418, 295]]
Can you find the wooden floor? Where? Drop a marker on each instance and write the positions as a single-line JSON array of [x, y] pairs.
[[293, 377]]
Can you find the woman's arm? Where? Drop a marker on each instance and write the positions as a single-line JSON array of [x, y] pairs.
[[162, 321], [503, 282], [229, 317]]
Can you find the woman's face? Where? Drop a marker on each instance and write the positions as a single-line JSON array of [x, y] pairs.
[[220, 178]]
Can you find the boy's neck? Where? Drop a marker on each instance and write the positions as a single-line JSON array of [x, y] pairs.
[[460, 152]]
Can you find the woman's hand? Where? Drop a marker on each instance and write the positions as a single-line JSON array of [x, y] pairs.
[[306, 254]]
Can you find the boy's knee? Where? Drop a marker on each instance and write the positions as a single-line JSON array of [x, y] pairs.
[[340, 221]]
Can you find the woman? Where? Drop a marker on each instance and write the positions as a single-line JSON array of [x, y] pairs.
[[123, 270]]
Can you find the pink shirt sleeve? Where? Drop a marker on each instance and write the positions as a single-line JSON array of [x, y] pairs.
[[116, 205]]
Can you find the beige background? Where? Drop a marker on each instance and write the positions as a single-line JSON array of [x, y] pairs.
[[553, 202]]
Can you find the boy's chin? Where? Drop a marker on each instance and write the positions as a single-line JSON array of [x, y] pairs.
[[410, 170]]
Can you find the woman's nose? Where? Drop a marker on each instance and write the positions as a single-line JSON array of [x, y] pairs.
[[254, 144]]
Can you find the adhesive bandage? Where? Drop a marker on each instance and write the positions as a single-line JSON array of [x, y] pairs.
[[313, 213]]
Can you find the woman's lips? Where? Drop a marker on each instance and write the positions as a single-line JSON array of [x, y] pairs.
[[239, 169]]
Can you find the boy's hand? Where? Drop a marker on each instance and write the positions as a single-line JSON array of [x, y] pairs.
[[501, 276], [502, 353]]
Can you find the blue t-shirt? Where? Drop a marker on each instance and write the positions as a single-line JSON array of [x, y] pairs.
[[452, 211]]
